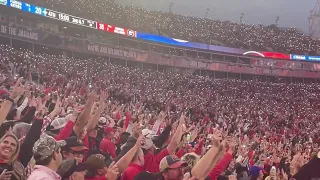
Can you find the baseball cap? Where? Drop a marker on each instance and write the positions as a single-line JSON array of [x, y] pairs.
[[69, 110], [254, 171], [190, 145], [69, 117], [107, 130], [68, 167], [95, 162], [147, 133], [171, 162], [74, 144], [45, 146], [147, 144], [148, 141], [58, 123], [102, 120]]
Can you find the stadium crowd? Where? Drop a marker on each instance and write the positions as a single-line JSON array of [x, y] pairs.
[[204, 30], [75, 119]]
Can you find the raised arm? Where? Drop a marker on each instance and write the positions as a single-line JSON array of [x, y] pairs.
[[124, 162], [177, 136], [33, 135], [22, 106], [56, 110], [111, 121], [163, 136], [222, 158], [201, 168], [84, 115], [6, 105], [94, 121]]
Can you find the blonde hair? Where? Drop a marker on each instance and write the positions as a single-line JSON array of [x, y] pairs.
[[191, 159], [15, 154]]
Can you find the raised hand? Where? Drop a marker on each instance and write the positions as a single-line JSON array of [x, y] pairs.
[[284, 175], [182, 119], [17, 89], [141, 140], [194, 134], [27, 94], [216, 138], [6, 175], [40, 113], [33, 102], [103, 96], [92, 96], [57, 106], [136, 130], [112, 172]]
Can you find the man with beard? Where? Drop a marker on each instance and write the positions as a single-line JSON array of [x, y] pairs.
[[171, 168]]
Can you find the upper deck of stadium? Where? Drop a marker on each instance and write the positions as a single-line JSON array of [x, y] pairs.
[[215, 32]]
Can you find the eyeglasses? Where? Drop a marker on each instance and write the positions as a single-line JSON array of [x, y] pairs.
[[77, 152]]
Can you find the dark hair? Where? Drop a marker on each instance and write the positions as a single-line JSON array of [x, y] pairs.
[[124, 137], [44, 162], [121, 124], [7, 86], [90, 173]]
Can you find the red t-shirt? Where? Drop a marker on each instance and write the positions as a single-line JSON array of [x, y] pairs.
[[107, 146], [151, 162], [131, 171], [180, 153]]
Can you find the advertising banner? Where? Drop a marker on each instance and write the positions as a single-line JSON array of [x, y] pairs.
[[22, 33], [305, 58], [223, 67], [263, 71], [107, 50]]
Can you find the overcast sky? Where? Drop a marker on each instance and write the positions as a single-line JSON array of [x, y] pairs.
[[292, 13]]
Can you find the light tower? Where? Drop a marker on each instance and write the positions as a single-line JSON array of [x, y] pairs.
[[314, 21]]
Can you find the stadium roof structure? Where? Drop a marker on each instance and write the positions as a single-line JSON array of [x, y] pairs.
[[314, 21]]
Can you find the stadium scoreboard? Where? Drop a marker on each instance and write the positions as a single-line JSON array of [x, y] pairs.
[[70, 19], [67, 18]]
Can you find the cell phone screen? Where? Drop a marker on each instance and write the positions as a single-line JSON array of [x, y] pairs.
[[188, 137]]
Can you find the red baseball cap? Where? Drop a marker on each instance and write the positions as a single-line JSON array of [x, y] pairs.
[[107, 130]]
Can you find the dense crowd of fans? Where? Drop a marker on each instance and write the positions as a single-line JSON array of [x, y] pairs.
[[87, 119], [226, 33]]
